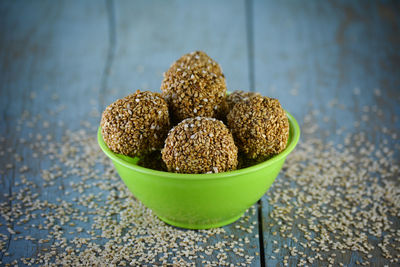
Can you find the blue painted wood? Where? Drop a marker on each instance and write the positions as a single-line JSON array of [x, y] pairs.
[[312, 54], [307, 54]]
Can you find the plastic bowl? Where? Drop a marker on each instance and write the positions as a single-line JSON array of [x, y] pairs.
[[200, 201]]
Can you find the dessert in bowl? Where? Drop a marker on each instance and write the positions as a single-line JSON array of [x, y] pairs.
[[201, 201]]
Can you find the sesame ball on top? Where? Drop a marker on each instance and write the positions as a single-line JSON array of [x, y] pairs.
[[200, 145], [136, 124], [260, 126], [193, 86]]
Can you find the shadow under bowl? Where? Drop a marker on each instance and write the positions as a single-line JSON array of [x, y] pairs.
[[200, 201]]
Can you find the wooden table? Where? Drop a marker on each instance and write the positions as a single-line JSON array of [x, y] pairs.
[[62, 62]]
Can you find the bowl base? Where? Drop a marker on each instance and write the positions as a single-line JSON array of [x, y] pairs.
[[200, 226]]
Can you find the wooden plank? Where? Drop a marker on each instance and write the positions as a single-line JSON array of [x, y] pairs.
[[50, 73], [152, 34], [336, 59]]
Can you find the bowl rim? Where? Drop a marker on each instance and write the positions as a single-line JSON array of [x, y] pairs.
[[294, 132]]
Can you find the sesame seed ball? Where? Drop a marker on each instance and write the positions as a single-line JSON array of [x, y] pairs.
[[136, 124], [232, 98], [200, 145], [260, 126], [237, 96], [193, 86]]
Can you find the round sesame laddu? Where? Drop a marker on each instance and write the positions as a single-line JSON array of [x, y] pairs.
[[194, 86], [200, 145], [233, 98], [237, 96], [136, 124], [260, 126]]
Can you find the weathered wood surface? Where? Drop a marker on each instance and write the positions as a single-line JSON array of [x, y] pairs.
[[65, 61]]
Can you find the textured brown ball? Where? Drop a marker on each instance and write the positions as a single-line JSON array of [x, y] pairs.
[[237, 96], [260, 126], [200, 145], [193, 86], [136, 124], [233, 98]]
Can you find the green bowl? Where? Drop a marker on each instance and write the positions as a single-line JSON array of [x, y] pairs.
[[200, 201]]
